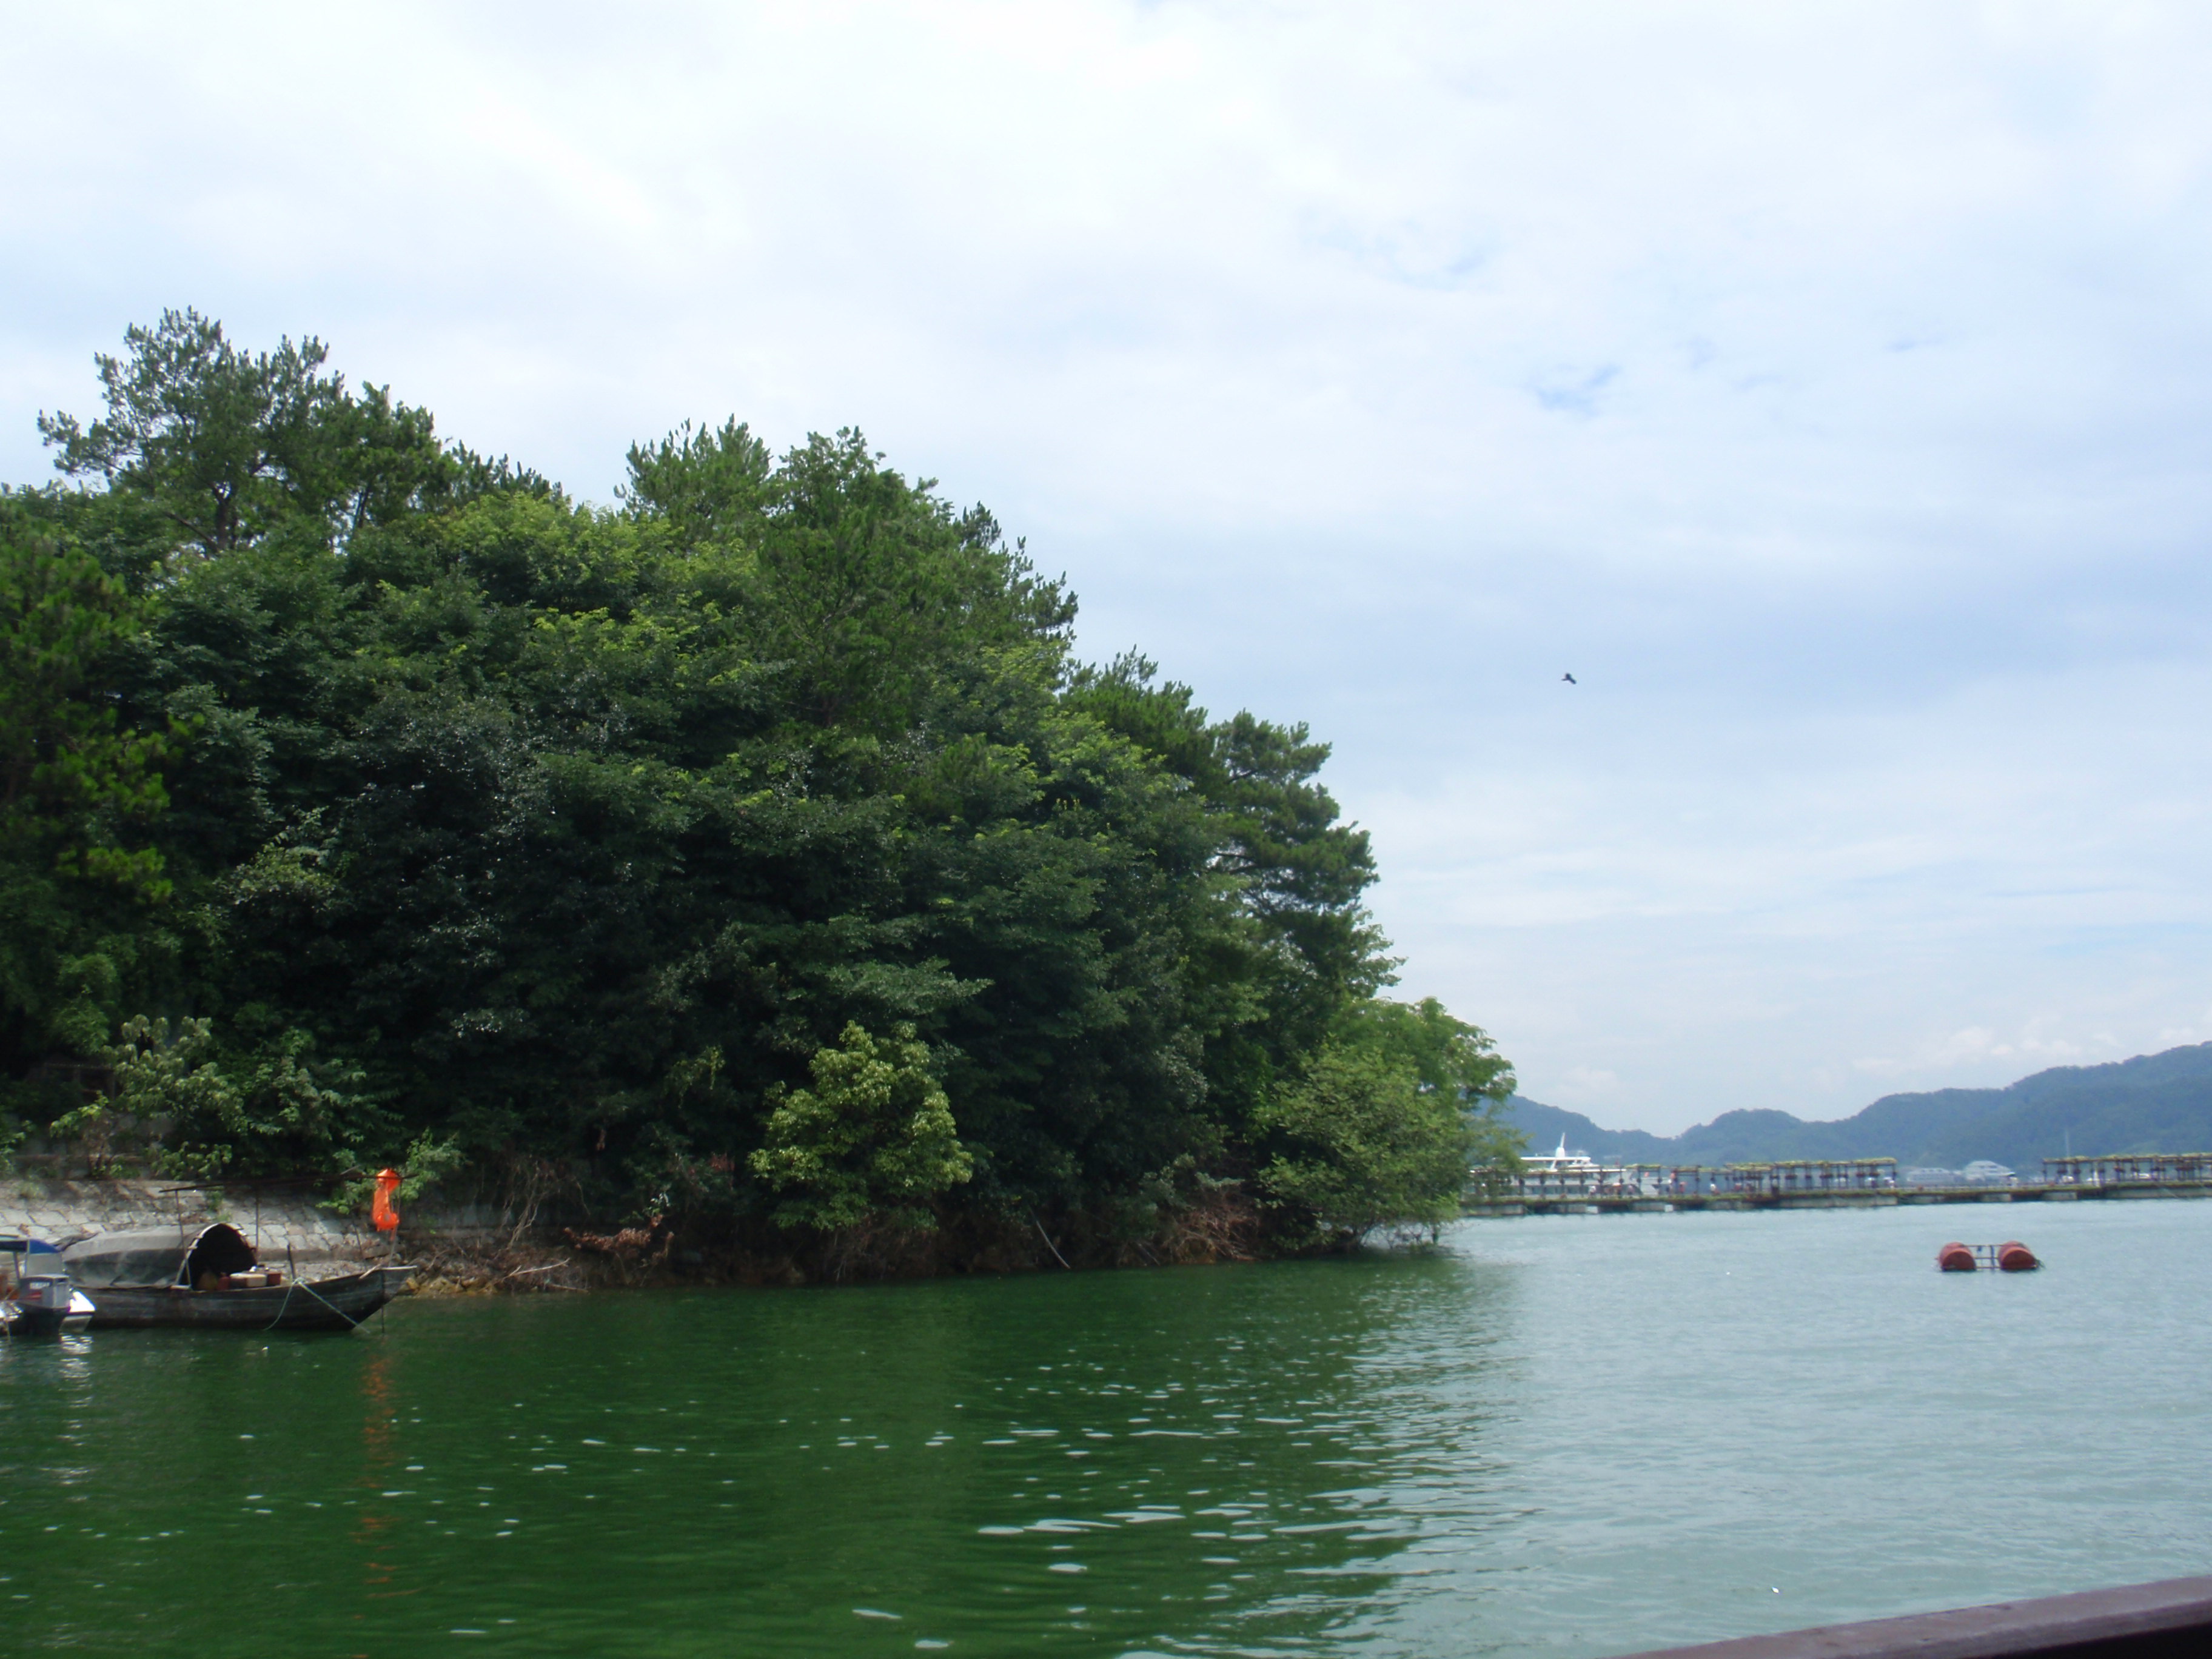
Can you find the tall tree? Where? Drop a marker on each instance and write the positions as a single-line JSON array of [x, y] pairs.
[[224, 444]]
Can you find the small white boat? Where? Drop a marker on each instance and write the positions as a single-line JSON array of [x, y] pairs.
[[39, 1299]]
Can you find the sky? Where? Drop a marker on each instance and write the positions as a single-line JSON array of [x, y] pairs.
[[1828, 388]]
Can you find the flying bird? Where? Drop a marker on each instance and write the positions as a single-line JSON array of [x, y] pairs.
[[1570, 679]]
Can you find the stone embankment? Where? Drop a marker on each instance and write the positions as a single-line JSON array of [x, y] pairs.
[[456, 1244], [280, 1222]]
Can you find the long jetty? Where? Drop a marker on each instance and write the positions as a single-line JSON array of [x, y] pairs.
[[1844, 1198], [1577, 1186]]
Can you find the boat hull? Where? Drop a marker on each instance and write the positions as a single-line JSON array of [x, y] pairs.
[[44, 1321], [318, 1305]]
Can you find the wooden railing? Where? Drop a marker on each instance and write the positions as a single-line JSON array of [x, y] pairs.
[[2166, 1620]]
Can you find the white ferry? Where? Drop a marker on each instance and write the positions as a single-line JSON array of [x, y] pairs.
[[1563, 1174]]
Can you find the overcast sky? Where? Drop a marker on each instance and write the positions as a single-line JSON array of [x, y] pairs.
[[1829, 388]]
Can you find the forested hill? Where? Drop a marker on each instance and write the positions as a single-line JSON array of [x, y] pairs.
[[2154, 1102], [753, 858]]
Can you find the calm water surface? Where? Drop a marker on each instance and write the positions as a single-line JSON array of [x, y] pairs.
[[1570, 1437]]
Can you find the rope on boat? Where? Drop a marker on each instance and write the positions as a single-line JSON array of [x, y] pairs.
[[290, 1285], [352, 1324]]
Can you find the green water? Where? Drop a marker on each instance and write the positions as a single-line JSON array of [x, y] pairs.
[[1572, 1435]]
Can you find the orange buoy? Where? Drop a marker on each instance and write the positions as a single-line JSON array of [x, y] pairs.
[[379, 1202], [1955, 1258], [2014, 1257]]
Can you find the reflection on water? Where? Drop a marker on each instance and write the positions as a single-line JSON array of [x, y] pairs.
[[1578, 1436]]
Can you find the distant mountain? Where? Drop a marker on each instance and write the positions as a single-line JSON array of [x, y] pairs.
[[2151, 1103]]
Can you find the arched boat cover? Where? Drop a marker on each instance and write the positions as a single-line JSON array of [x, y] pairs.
[[26, 1247], [161, 1256]]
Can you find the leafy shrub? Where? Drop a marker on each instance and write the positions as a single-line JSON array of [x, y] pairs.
[[1362, 1145], [872, 1138]]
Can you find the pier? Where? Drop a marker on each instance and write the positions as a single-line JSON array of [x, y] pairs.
[[1568, 1183], [1662, 1204]]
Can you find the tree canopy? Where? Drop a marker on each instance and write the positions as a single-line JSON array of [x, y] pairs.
[[755, 850]]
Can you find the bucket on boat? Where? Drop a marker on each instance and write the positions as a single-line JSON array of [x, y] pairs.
[[2014, 1257], [1955, 1258]]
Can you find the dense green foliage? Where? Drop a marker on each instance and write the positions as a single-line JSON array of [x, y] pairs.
[[1362, 1145], [755, 851], [872, 1137]]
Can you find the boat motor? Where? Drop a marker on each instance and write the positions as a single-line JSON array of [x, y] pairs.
[[48, 1305]]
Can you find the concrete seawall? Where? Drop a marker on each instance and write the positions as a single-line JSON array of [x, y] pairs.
[[281, 1222]]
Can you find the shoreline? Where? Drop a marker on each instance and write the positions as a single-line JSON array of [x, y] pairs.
[[476, 1249]]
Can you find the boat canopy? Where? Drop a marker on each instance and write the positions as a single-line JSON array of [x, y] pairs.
[[26, 1247], [161, 1256]]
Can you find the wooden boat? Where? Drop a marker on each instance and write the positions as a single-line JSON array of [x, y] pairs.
[[210, 1280], [335, 1303]]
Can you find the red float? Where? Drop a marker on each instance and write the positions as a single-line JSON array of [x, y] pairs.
[[2014, 1257], [1955, 1258], [379, 1202]]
